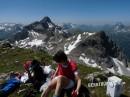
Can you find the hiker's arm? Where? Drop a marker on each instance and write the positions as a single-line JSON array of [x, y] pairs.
[[55, 73], [78, 80]]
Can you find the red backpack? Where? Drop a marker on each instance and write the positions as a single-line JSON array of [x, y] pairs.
[[27, 65]]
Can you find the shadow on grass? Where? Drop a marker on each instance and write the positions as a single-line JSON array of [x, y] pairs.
[[122, 95]]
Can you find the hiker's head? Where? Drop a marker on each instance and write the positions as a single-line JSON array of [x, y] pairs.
[[60, 57], [15, 74], [35, 65], [35, 62]]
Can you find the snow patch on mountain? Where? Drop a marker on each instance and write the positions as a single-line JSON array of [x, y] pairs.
[[34, 39], [118, 68], [33, 34], [88, 33], [27, 43], [72, 45], [121, 68], [88, 61], [35, 42], [69, 46], [50, 25]]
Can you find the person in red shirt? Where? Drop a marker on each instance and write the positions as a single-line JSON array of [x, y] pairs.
[[65, 76]]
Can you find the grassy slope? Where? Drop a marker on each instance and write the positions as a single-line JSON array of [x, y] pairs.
[[12, 60]]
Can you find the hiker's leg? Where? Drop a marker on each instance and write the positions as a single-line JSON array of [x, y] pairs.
[[62, 82], [49, 88], [59, 83]]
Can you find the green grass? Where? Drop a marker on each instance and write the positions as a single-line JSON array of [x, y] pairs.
[[87, 70], [127, 85], [13, 59]]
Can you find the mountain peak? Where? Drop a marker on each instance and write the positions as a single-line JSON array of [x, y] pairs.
[[45, 20], [120, 27]]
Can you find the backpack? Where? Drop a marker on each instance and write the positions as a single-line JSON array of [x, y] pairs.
[[39, 77]]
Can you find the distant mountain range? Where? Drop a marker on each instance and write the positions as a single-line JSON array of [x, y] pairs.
[[8, 30], [118, 27]]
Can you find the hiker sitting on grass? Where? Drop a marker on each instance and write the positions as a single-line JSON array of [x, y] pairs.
[[65, 77], [10, 85]]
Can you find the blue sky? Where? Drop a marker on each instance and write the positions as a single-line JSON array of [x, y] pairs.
[[75, 11]]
